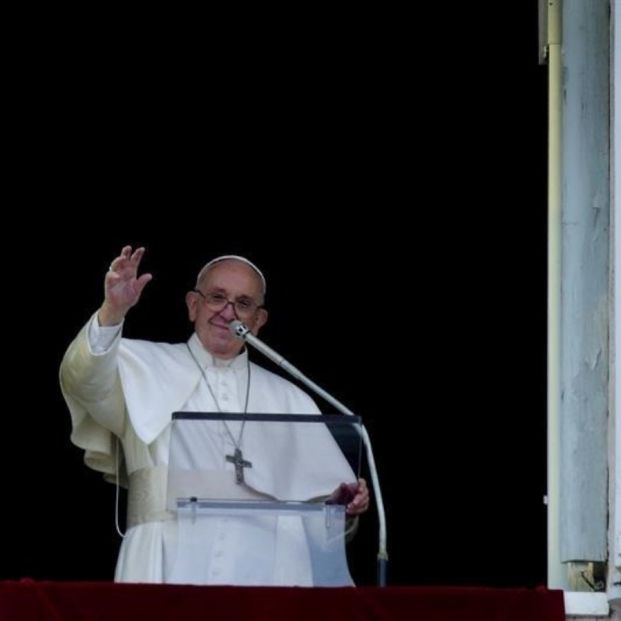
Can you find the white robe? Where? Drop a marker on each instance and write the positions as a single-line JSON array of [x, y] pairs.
[[130, 391]]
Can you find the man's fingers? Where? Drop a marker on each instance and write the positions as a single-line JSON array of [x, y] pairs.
[[136, 257], [360, 502], [141, 283]]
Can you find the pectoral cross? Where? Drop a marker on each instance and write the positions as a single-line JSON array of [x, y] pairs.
[[240, 463]]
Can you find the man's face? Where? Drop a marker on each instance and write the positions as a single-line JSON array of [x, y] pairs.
[[211, 312]]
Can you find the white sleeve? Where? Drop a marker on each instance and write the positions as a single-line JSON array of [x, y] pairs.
[[92, 390], [101, 338]]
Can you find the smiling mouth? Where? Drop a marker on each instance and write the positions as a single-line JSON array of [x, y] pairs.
[[220, 326]]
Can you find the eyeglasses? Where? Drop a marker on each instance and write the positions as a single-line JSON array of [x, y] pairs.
[[244, 307]]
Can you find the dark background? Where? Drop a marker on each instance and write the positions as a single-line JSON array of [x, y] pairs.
[[386, 171]]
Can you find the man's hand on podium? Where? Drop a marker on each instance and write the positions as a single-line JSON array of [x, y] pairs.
[[354, 495]]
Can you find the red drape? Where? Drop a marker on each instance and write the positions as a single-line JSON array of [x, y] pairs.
[[28, 600]]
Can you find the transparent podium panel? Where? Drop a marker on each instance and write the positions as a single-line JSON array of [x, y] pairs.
[[259, 498]]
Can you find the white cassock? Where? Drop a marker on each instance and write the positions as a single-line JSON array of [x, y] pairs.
[[130, 390]]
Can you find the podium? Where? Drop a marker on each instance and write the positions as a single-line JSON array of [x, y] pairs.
[[252, 498]]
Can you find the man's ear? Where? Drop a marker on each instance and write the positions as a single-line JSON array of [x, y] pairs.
[[261, 320], [191, 301]]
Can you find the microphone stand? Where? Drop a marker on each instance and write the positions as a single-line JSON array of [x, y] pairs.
[[241, 331]]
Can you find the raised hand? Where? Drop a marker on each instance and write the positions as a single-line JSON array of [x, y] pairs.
[[123, 287]]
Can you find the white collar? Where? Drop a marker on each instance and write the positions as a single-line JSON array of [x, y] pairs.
[[206, 359]]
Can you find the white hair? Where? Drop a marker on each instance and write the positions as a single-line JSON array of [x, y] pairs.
[[230, 257]]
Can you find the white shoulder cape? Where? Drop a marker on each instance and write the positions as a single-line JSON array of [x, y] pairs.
[[157, 380]]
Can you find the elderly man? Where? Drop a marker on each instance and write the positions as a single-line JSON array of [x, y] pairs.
[[121, 394]]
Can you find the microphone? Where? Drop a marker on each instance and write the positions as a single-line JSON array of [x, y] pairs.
[[241, 331]]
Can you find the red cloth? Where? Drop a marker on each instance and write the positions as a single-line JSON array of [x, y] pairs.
[[28, 600]]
